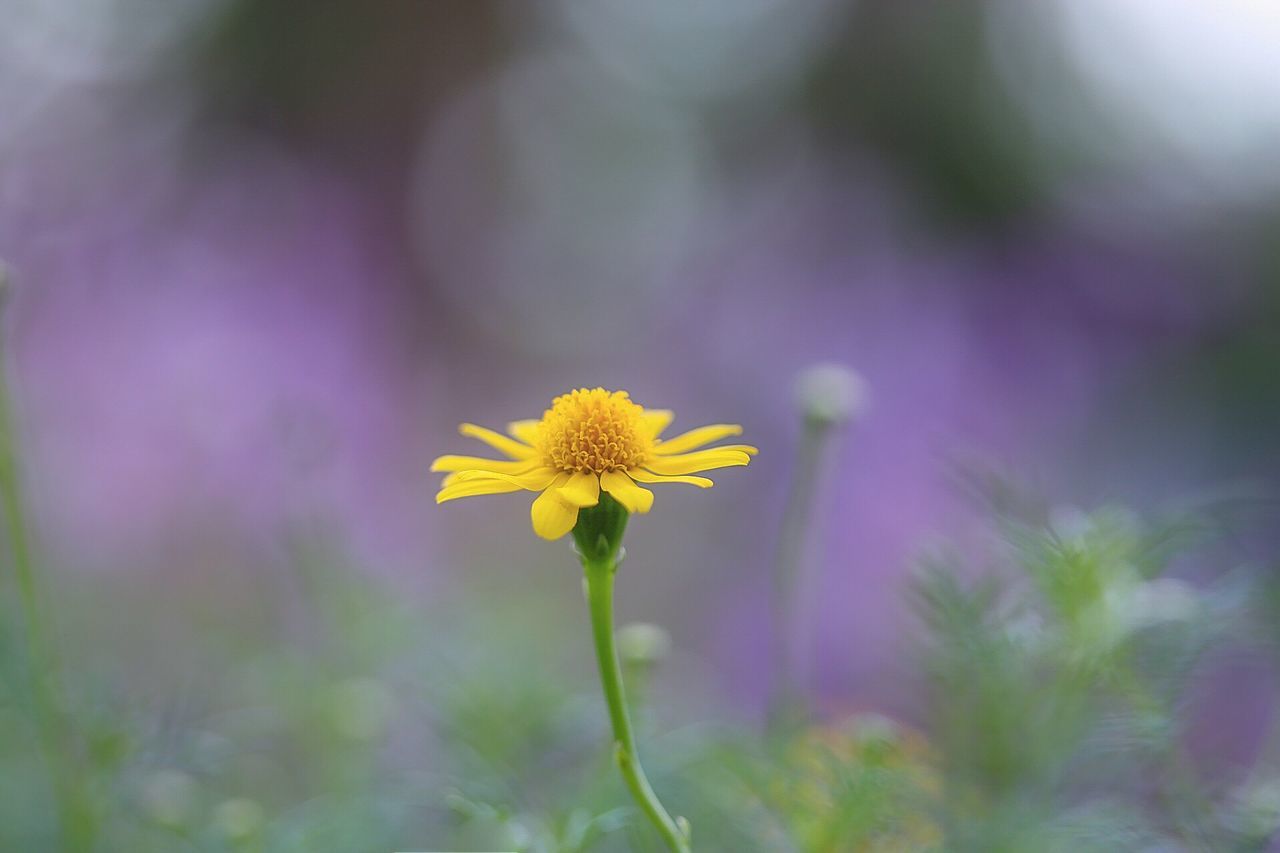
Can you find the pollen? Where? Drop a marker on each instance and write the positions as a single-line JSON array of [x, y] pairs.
[[593, 431]]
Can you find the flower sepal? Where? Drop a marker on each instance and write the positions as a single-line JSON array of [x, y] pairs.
[[597, 536]]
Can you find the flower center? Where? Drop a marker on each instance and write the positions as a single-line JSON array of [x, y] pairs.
[[593, 430]]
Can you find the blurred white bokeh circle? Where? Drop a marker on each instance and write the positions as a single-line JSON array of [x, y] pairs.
[[1179, 97], [707, 49], [545, 199]]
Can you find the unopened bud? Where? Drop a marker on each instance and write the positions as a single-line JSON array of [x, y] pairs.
[[643, 644], [238, 819], [830, 394], [169, 797], [361, 708]]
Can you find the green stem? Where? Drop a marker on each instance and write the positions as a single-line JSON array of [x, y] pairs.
[[1179, 782], [599, 578], [785, 701], [75, 818]]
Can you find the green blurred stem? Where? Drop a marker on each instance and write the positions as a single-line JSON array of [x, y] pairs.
[[599, 583], [793, 533], [75, 818], [1179, 781]]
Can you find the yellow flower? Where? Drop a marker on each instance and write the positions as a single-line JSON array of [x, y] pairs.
[[589, 440]]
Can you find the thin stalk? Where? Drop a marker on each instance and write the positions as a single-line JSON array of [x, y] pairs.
[[1179, 782], [793, 534], [599, 578], [74, 816]]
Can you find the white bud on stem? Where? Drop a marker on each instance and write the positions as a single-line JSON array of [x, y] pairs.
[[830, 394]]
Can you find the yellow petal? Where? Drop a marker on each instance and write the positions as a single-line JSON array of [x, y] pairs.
[[582, 489], [471, 488], [656, 420], [526, 431], [703, 460], [741, 448], [534, 481], [626, 492], [696, 438], [642, 476], [479, 463], [498, 441], [552, 516]]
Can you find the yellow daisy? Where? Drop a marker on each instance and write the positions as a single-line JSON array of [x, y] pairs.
[[588, 441]]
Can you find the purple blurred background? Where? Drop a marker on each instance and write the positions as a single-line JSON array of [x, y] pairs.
[[266, 256]]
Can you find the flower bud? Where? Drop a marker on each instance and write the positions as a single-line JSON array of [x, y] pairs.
[[643, 644], [361, 708], [169, 797], [238, 819], [830, 394]]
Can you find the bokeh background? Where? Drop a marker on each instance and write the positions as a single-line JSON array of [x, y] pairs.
[[264, 256]]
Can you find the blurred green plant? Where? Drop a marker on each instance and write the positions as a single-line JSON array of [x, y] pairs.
[[1059, 706], [1058, 690], [35, 656]]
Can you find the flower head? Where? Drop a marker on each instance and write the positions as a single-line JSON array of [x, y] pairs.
[[590, 440], [830, 394]]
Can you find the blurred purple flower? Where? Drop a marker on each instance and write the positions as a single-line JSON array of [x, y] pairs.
[[986, 352], [215, 356]]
